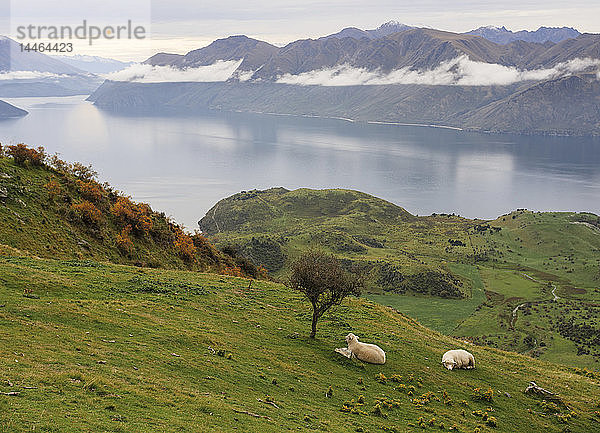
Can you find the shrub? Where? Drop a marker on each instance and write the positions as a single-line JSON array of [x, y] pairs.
[[353, 407], [59, 165], [378, 411], [549, 407], [87, 212], [446, 398], [262, 272], [425, 399], [23, 155], [479, 394], [184, 245], [205, 248], [234, 271], [381, 378], [90, 190], [53, 188], [124, 243], [135, 214], [396, 378], [84, 172]]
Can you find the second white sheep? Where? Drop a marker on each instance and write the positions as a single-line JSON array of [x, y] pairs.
[[458, 359]]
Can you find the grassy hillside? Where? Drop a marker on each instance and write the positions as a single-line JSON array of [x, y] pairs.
[[108, 324], [526, 281], [89, 346], [55, 209]]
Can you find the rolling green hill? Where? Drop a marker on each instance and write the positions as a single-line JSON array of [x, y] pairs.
[[526, 281], [88, 346], [94, 339]]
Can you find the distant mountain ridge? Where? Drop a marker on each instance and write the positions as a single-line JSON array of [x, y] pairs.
[[416, 75], [415, 48], [501, 35], [383, 30], [31, 73], [13, 59], [93, 64]]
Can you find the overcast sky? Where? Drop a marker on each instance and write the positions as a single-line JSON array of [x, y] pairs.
[[180, 25]]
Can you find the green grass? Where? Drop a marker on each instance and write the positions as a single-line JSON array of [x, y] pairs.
[[87, 345], [443, 315], [516, 258], [102, 347]]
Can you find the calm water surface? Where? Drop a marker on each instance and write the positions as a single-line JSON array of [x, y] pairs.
[[184, 165]]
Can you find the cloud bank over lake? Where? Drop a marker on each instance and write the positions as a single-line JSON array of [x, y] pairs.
[[460, 71], [28, 75], [142, 73]]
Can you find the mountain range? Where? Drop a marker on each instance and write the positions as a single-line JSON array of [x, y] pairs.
[[31, 73], [93, 64], [418, 49], [501, 35], [489, 79], [414, 75], [383, 30]]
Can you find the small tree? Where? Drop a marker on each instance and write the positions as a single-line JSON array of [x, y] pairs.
[[321, 278]]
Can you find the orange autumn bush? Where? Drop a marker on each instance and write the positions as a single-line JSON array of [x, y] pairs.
[[23, 155], [53, 188], [184, 245], [90, 190], [205, 248], [234, 271], [123, 241], [135, 214], [87, 212], [262, 272]]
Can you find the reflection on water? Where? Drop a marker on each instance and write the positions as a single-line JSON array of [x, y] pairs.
[[183, 165]]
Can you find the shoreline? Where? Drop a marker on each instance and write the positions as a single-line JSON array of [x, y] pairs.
[[350, 120]]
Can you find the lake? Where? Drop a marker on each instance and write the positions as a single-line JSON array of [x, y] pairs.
[[184, 165]]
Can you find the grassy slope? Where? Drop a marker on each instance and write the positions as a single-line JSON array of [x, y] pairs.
[[501, 269], [31, 220], [92, 349]]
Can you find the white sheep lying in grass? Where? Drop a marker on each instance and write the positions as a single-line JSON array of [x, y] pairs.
[[370, 353], [458, 359]]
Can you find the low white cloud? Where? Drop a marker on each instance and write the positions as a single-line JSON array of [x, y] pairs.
[[28, 75], [141, 73], [244, 75], [459, 72]]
